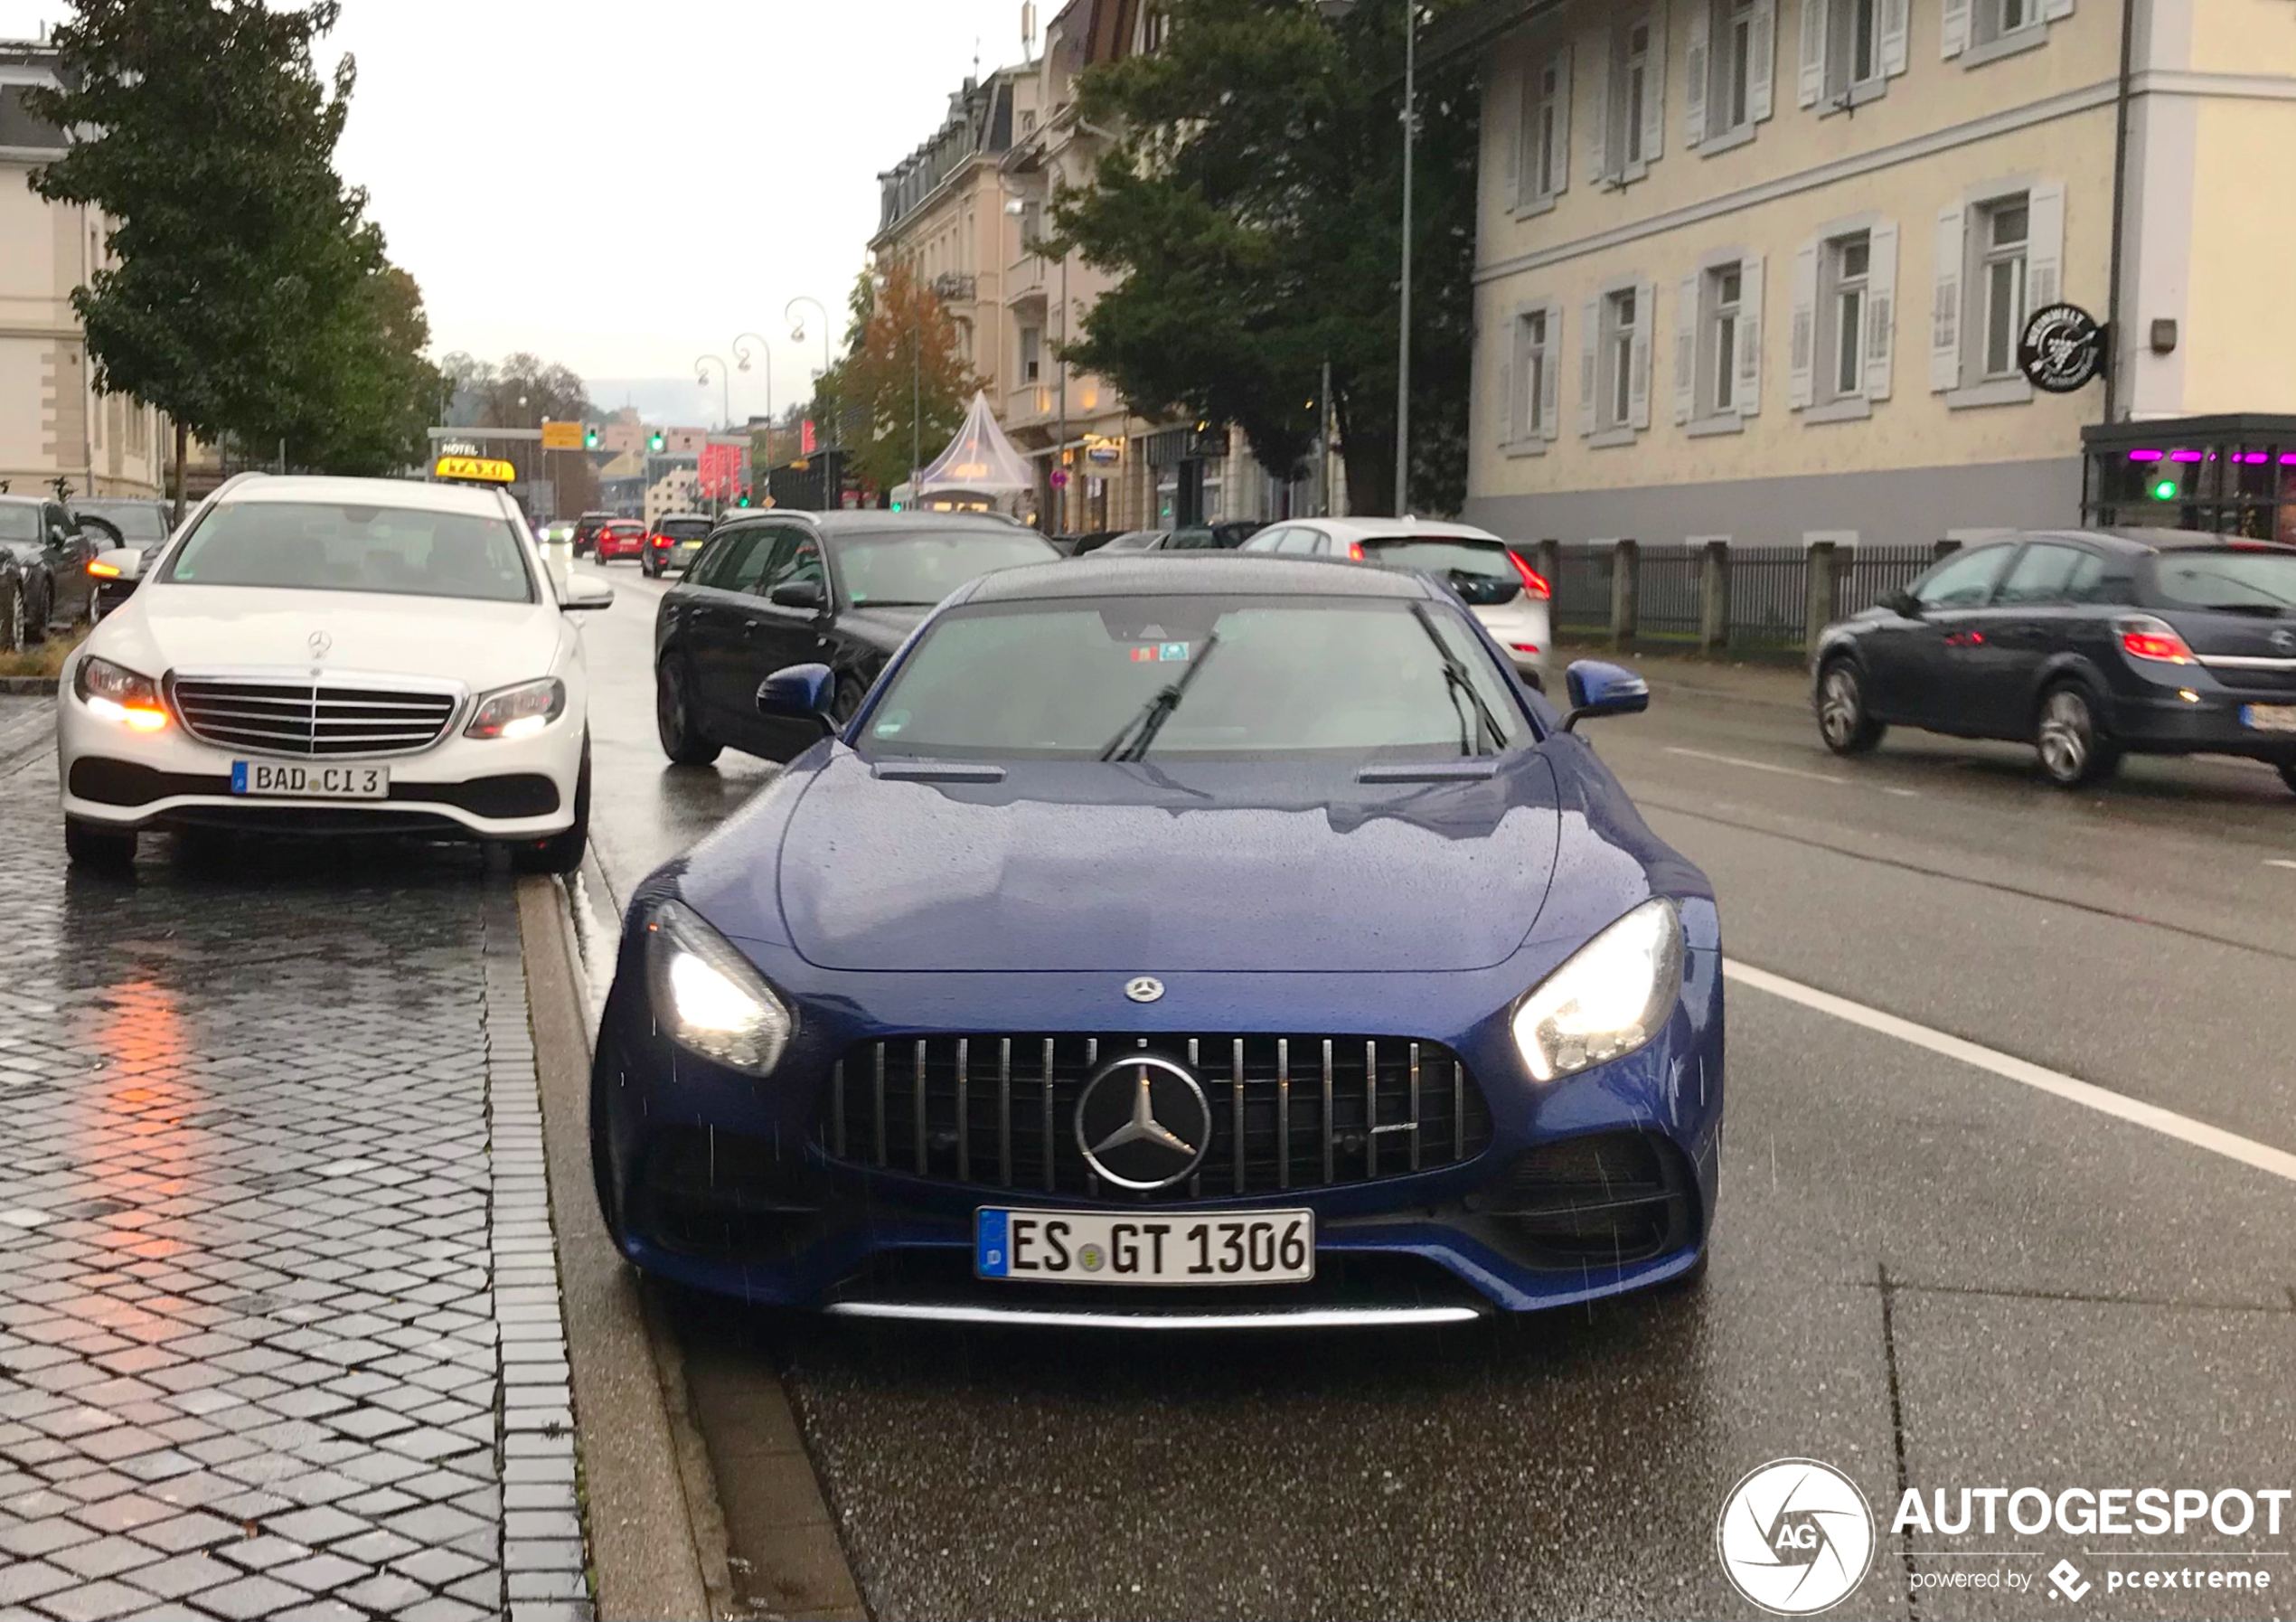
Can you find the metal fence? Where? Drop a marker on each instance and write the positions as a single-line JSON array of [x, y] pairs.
[[1769, 597], [1582, 586], [1870, 573], [1667, 599]]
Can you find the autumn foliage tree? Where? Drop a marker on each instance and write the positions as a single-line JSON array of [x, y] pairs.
[[899, 393]]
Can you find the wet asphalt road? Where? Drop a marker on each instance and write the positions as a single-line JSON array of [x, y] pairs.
[[1924, 1272]]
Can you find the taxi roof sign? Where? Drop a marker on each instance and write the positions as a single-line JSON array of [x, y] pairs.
[[477, 470]]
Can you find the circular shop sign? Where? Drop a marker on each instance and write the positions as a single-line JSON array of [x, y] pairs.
[[2061, 349], [1795, 1537]]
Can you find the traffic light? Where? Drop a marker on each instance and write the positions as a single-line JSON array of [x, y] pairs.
[[742, 500], [589, 437], [2165, 490], [653, 441]]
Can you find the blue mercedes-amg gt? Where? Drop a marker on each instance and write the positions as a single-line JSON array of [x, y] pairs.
[[1172, 943]]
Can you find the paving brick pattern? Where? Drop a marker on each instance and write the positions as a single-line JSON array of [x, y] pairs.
[[279, 1329]]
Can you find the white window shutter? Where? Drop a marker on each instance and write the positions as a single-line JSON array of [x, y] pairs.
[[2053, 10], [1686, 349], [1750, 338], [1763, 49], [1945, 304], [1952, 37], [1550, 375], [1881, 307], [2045, 246], [1512, 415], [1813, 50], [1562, 126], [1638, 374], [1801, 363], [1654, 90], [1598, 147], [1697, 72], [1591, 315], [1895, 27]]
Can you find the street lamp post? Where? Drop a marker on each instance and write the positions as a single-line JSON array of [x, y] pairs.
[[725, 393], [833, 466], [741, 363]]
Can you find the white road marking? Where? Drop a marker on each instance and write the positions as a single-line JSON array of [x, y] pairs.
[[2276, 862], [1786, 771], [2167, 1122]]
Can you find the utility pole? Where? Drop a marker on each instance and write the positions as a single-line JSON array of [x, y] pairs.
[[1403, 340], [1060, 439], [1323, 443]]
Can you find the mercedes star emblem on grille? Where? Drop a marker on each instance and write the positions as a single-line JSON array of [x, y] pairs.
[[2285, 640], [1143, 1122], [1146, 988], [319, 642]]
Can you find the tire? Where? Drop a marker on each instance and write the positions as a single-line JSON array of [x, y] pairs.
[[845, 702], [90, 844], [35, 617], [2072, 745], [683, 739], [2288, 773], [1847, 726], [12, 617], [562, 852]]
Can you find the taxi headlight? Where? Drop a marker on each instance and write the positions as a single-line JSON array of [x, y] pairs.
[[119, 694], [1609, 998], [706, 995], [518, 712]]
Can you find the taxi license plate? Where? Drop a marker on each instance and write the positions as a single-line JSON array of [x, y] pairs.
[[310, 782], [2269, 718], [1101, 1247]]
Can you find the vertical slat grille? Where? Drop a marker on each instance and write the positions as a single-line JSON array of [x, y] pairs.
[[1371, 1107]]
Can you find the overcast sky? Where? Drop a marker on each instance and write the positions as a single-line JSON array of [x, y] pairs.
[[623, 187]]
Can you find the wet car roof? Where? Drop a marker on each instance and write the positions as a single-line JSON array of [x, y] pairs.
[[1184, 576]]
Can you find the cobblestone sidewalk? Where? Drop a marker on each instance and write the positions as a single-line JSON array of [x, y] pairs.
[[279, 1329]]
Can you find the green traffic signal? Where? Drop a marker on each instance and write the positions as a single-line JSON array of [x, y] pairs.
[[589, 439], [655, 442], [2166, 490]]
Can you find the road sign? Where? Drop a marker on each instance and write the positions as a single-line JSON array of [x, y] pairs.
[[561, 436], [1059, 478]]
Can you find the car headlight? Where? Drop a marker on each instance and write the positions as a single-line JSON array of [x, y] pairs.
[[117, 693], [1609, 998], [519, 712], [707, 997]]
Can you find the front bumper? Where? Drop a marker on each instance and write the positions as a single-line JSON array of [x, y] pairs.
[[487, 789], [728, 1183]]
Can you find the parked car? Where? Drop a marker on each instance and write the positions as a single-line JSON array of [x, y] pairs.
[[139, 521], [780, 588], [1156, 927], [620, 538], [586, 529], [325, 656], [2090, 644], [55, 550], [1508, 595], [16, 599], [673, 544]]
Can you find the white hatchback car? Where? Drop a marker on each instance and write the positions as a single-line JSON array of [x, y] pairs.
[[1501, 591], [328, 656]]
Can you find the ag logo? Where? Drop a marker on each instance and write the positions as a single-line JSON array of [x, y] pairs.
[[1795, 1537]]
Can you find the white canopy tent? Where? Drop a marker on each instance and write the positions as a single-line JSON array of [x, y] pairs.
[[979, 462]]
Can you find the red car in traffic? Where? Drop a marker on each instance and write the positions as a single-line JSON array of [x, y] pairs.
[[623, 538]]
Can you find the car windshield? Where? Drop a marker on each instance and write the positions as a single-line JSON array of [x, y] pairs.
[[135, 520], [918, 569], [326, 546], [1205, 677], [1439, 554], [2241, 582], [19, 522], [686, 529]]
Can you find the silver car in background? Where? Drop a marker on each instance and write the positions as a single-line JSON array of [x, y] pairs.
[[1506, 594]]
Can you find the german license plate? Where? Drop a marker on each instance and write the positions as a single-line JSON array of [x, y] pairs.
[[2269, 718], [277, 777], [1100, 1246]]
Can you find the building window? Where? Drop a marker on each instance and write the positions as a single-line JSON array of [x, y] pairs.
[[1620, 316], [1996, 19], [1850, 49], [1545, 155], [1725, 291], [1631, 106], [2004, 228], [1532, 409], [1031, 353], [1733, 86], [1852, 262], [1857, 46]]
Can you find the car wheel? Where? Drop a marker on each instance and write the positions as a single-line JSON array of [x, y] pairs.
[[12, 626], [845, 702], [2288, 773], [93, 845], [562, 852], [35, 619], [1845, 723], [2072, 747], [683, 739]]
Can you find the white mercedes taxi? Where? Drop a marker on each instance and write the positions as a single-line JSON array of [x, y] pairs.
[[335, 655]]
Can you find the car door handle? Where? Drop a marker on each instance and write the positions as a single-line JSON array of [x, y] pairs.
[[1965, 639], [750, 627]]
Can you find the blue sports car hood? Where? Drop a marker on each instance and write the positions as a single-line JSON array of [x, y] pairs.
[[1170, 868]]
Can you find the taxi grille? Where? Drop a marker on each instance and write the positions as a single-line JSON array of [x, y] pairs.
[[300, 718], [1288, 1112]]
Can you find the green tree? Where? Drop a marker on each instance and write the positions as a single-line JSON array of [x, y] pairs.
[[1253, 206], [382, 393], [899, 393], [249, 295]]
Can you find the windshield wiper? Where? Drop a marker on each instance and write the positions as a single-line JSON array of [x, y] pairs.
[[1143, 728], [1456, 680]]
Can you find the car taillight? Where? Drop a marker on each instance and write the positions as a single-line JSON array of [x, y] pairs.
[[1534, 583], [1355, 551], [2144, 638]]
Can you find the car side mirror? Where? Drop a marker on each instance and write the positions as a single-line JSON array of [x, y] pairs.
[[799, 692], [796, 594], [1597, 688], [1905, 604], [585, 596]]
